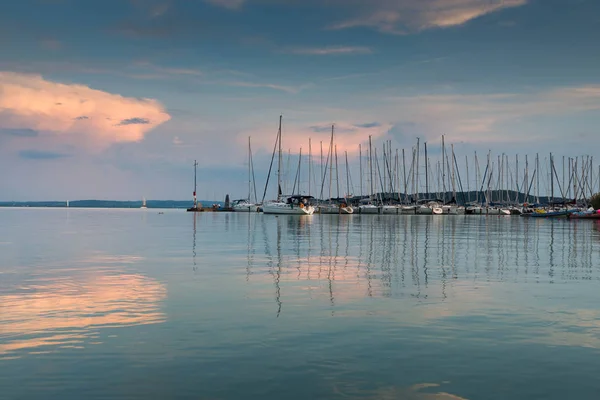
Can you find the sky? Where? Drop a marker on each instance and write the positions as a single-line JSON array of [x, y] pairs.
[[116, 99]]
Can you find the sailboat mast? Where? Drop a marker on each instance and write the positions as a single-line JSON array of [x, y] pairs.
[[468, 183], [309, 165], [249, 171], [426, 172], [252, 172], [195, 198], [330, 157], [527, 178], [505, 179], [397, 174], [443, 170], [299, 171], [517, 179], [360, 169], [347, 176], [551, 180], [537, 178], [279, 161], [563, 174], [337, 174], [371, 165], [453, 175], [404, 175], [417, 168]]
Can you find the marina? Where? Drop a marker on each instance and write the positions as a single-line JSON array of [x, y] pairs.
[[504, 189]]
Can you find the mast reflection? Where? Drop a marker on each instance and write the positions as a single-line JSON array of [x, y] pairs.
[[194, 267], [351, 257]]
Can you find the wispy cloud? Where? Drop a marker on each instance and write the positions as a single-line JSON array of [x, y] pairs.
[[283, 88], [368, 125], [483, 118], [41, 155], [55, 109], [169, 71], [231, 4], [334, 50], [18, 132], [406, 16], [51, 44], [152, 8]]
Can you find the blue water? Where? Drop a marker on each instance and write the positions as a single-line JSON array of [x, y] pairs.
[[133, 304]]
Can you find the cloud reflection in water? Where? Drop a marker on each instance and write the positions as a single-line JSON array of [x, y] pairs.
[[67, 308]]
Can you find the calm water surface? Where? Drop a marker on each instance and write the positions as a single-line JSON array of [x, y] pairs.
[[132, 304]]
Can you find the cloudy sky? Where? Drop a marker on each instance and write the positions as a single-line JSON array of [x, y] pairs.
[[114, 99]]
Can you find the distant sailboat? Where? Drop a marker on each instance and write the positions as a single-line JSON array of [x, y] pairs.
[[143, 203], [67, 203]]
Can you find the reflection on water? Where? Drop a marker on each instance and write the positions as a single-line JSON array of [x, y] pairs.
[[231, 306], [64, 308], [447, 267], [421, 391], [352, 257]]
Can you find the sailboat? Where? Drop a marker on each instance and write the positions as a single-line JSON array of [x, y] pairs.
[[339, 206], [245, 205], [294, 205], [366, 206], [143, 203]]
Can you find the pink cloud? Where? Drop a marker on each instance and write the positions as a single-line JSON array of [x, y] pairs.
[[75, 114]]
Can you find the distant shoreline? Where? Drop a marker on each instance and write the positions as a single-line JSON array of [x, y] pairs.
[[165, 204]]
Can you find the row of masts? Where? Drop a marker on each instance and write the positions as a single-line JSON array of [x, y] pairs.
[[398, 175]]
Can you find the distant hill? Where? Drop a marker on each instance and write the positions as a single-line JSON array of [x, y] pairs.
[[109, 203]]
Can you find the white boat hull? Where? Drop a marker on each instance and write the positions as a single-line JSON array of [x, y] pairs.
[[287, 209], [368, 209], [424, 210], [390, 210], [497, 211], [474, 210], [408, 210], [245, 208], [453, 210]]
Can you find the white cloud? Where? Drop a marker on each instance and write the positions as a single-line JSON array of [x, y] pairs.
[[75, 114]]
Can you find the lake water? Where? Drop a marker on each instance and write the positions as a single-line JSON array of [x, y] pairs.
[[133, 304]]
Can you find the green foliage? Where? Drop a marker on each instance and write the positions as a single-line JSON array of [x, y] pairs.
[[595, 201]]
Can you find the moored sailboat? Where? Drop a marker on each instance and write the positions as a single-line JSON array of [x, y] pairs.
[[295, 204]]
